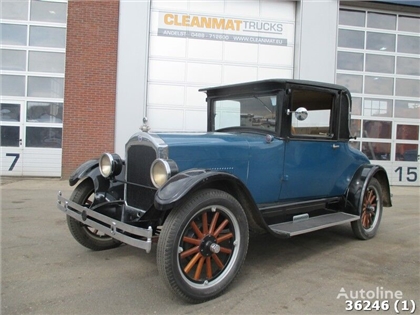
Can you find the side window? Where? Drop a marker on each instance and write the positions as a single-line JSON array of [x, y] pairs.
[[319, 106]]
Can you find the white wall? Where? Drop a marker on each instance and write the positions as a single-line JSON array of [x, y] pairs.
[[316, 40], [133, 37]]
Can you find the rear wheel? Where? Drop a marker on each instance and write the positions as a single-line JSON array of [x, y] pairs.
[[203, 245], [371, 212], [84, 234]]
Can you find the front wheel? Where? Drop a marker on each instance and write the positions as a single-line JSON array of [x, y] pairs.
[[84, 234], [370, 213], [203, 245]]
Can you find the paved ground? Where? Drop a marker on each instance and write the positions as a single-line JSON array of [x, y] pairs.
[[44, 271]]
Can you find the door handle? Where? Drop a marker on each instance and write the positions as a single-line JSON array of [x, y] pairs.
[[335, 146]]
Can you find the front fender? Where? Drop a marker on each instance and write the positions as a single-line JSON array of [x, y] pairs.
[[359, 183], [183, 183], [105, 189], [82, 171]]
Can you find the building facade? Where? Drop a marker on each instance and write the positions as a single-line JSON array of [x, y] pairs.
[[126, 60], [33, 42]]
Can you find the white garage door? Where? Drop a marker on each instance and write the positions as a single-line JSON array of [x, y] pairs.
[[196, 44]]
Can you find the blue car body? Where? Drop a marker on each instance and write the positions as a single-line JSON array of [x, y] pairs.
[[278, 170]]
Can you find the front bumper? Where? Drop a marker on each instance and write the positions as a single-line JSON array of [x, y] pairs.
[[132, 235]]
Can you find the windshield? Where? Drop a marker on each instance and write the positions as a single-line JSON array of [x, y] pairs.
[[258, 112]]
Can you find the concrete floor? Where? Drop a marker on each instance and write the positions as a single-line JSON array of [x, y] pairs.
[[45, 271]]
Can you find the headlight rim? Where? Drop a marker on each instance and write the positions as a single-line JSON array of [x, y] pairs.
[[170, 167], [167, 169], [114, 163]]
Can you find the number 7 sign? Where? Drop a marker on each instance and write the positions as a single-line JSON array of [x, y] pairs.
[[16, 155]]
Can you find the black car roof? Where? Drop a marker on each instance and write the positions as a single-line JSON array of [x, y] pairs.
[[267, 85]]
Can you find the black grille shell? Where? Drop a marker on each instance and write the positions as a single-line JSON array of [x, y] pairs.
[[139, 189]]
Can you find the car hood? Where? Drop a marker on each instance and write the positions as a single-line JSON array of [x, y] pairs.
[[224, 152]]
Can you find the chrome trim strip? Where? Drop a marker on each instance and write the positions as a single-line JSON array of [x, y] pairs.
[[107, 225], [149, 139]]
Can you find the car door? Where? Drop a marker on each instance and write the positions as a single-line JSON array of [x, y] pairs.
[[265, 168], [315, 160]]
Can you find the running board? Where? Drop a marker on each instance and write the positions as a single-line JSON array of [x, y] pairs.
[[306, 225]]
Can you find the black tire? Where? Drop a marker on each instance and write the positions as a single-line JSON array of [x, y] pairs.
[[86, 235], [203, 245], [370, 212]]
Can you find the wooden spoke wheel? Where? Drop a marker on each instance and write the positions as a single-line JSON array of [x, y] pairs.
[[370, 211], [202, 245], [84, 234]]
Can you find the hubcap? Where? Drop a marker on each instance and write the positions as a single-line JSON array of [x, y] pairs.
[[209, 246]]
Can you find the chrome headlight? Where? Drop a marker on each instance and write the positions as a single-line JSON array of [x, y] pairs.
[[161, 170], [110, 165]]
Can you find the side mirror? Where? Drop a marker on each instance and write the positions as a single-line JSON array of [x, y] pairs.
[[301, 113]]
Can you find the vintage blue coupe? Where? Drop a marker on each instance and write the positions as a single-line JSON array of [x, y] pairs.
[[275, 158]]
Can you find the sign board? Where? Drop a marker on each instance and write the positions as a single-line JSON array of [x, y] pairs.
[[225, 29]]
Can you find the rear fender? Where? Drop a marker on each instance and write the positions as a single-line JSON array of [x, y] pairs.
[[359, 182]]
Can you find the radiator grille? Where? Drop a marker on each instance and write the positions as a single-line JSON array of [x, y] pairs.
[[138, 162]]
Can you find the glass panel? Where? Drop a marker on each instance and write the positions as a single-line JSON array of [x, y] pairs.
[[9, 112], [349, 61], [377, 129], [354, 18], [380, 41], [410, 66], [14, 10], [377, 63], [355, 128], [409, 44], [46, 61], [254, 112], [355, 144], [407, 109], [48, 11], [406, 152], [356, 106], [43, 137], [9, 136], [46, 87], [351, 39], [13, 34], [379, 85], [406, 87], [377, 150], [12, 85], [409, 24], [319, 106], [384, 21], [13, 59], [353, 82], [47, 36], [44, 112], [407, 132], [377, 107]]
